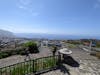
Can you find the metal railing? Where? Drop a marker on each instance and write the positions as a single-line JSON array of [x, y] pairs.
[[90, 50], [32, 66]]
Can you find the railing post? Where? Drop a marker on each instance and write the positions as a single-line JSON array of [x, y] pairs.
[[0, 71], [59, 58], [33, 66]]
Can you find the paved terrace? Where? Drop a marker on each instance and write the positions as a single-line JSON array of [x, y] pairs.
[[89, 65]]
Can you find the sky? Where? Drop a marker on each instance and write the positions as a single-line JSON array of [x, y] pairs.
[[71, 17]]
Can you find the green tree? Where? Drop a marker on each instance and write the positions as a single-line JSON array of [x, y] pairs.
[[32, 47]]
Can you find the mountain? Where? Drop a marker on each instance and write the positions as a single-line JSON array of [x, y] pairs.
[[4, 33]]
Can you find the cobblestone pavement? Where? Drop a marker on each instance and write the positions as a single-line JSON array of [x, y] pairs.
[[55, 72], [89, 65]]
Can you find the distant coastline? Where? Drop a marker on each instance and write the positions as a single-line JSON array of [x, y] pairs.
[[54, 36]]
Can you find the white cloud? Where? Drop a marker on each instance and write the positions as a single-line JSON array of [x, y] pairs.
[[25, 5]]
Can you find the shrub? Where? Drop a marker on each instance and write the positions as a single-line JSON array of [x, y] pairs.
[[3, 55], [71, 46], [32, 46], [22, 52], [0, 55]]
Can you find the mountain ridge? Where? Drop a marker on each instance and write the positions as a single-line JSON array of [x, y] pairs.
[[5, 33]]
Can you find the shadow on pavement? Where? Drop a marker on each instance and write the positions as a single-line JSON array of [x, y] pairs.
[[70, 61], [63, 69]]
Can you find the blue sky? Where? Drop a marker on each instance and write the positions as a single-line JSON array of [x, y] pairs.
[[72, 17]]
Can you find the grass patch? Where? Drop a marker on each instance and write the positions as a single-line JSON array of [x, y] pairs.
[[71, 46]]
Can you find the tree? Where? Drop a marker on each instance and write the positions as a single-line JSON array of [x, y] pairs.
[[32, 47]]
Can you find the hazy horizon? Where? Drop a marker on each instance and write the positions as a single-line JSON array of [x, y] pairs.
[[55, 36]]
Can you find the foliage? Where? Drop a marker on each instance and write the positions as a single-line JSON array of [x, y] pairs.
[[4, 54], [20, 51], [32, 46], [71, 46]]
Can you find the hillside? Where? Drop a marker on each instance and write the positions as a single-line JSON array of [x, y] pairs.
[[4, 33]]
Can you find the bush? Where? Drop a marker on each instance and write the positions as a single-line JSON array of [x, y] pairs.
[[71, 46], [32, 46], [20, 51], [0, 55], [3, 55]]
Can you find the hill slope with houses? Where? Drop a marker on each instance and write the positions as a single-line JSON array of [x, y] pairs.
[[6, 34]]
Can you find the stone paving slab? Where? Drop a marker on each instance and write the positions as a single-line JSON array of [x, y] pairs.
[[55, 72]]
